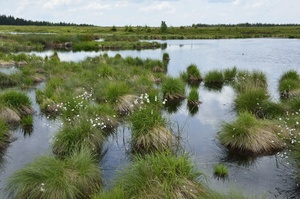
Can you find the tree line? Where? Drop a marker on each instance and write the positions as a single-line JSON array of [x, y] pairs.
[[10, 20], [243, 25]]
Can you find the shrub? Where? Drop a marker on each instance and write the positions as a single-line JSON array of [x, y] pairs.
[[76, 176]]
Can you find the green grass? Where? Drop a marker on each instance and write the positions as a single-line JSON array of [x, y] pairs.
[[7, 80], [289, 84], [193, 72], [115, 90], [149, 132], [221, 171], [214, 77], [251, 100], [193, 97], [4, 134], [173, 88], [247, 80], [15, 99], [161, 176], [230, 74], [77, 176], [80, 132], [248, 135]]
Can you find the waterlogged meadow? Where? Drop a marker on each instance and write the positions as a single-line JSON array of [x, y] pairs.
[[133, 104]]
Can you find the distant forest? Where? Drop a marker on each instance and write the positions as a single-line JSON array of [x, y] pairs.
[[243, 25], [10, 20]]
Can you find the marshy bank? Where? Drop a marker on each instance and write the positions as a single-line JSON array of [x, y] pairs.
[[198, 132]]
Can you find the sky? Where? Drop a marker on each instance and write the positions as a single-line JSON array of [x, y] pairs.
[[152, 12]]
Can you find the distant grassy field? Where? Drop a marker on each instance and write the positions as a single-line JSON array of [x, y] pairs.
[[182, 32]]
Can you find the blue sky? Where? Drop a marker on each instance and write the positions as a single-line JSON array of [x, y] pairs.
[[152, 12]]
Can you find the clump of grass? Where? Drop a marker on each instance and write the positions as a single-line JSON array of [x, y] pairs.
[[4, 134], [161, 176], [117, 192], [115, 90], [221, 171], [248, 80], [192, 75], [106, 71], [214, 77], [79, 132], [103, 115], [251, 136], [127, 104], [77, 176], [7, 81], [173, 89], [251, 100], [269, 110], [230, 74], [289, 84], [166, 56], [16, 100], [193, 97], [27, 124], [149, 132]]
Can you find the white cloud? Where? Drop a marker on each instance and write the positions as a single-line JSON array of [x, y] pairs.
[[157, 6]]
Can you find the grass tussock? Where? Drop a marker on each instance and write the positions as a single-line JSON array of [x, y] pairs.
[[251, 100], [81, 132], [192, 75], [7, 81], [230, 74], [127, 104], [249, 80], [247, 135], [161, 176], [173, 88], [4, 134], [221, 171], [77, 176], [149, 132], [214, 77], [17, 100], [193, 97], [289, 84]]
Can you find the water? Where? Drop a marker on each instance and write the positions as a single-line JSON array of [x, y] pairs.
[[271, 175], [26, 147]]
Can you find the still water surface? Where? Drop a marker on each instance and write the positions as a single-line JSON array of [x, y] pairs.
[[271, 175]]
